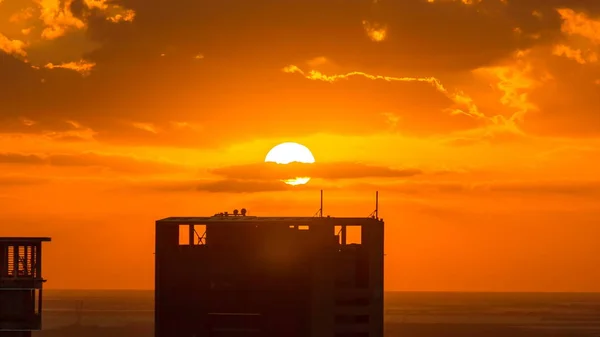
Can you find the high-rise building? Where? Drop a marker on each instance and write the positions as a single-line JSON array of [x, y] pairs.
[[20, 285], [238, 275]]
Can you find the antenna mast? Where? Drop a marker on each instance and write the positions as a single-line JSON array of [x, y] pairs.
[[376, 204], [320, 211], [375, 213]]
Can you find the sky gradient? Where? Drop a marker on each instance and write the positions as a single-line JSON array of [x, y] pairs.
[[478, 122]]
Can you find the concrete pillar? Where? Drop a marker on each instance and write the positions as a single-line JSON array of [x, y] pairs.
[[322, 291], [374, 237], [38, 260], [3, 260], [192, 236]]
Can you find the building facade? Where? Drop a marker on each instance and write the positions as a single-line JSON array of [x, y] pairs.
[[21, 284], [234, 275]]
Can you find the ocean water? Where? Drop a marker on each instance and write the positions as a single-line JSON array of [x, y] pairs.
[[407, 314]]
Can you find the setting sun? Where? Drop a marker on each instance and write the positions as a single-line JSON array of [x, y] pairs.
[[290, 152]]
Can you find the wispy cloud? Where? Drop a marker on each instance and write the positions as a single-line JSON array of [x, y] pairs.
[[577, 55], [458, 97], [331, 171], [83, 67], [118, 163]]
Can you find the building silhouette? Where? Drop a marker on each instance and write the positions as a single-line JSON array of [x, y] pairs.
[[237, 275], [20, 285]]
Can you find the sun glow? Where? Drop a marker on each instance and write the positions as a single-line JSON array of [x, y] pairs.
[[289, 152]]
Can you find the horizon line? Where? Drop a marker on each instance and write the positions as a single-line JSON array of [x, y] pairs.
[[391, 291]]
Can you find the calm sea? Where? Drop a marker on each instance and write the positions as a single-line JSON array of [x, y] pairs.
[[406, 313]]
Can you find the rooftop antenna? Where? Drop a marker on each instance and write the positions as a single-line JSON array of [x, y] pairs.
[[376, 204], [375, 213], [320, 211]]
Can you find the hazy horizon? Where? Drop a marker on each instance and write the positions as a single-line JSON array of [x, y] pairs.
[[414, 314], [387, 291]]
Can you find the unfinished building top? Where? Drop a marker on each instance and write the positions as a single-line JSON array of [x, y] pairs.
[[242, 219], [24, 239]]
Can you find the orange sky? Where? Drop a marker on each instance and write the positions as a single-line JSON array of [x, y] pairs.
[[478, 122]]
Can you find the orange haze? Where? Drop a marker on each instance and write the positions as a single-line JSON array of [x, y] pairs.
[[478, 122]]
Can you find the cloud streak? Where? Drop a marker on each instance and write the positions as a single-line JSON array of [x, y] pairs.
[[117, 163], [328, 171], [464, 104], [215, 186], [83, 67], [21, 180], [458, 97]]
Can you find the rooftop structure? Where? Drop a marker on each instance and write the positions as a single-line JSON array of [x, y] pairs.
[[236, 275], [21, 285]]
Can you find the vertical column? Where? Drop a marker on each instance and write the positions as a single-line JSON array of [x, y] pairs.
[[322, 289], [3, 273], [166, 242], [38, 263], [32, 302], [39, 306], [376, 269], [192, 238], [3, 260]]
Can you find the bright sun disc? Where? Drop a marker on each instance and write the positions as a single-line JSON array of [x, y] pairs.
[[289, 152]]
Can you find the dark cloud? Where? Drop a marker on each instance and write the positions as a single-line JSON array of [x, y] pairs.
[[168, 186], [215, 186], [244, 186], [21, 158], [421, 35], [121, 164], [19, 180], [329, 171], [267, 177], [483, 189]]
